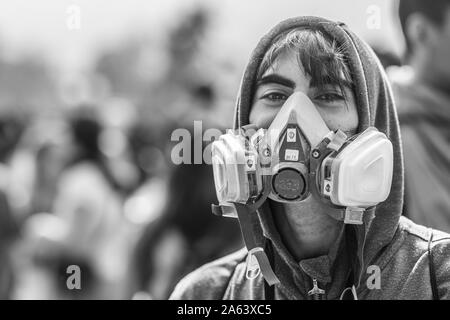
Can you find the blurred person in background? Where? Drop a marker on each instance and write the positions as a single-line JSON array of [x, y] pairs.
[[42, 258], [148, 197], [11, 129], [34, 167], [84, 228], [422, 95], [41, 159], [147, 142], [86, 191], [89, 200], [386, 56], [186, 235]]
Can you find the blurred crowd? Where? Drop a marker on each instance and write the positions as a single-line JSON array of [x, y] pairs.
[[106, 199], [91, 183]]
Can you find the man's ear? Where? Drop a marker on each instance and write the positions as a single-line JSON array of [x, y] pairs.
[[420, 31]]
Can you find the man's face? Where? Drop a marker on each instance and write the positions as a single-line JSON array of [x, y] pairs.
[[337, 108], [283, 78]]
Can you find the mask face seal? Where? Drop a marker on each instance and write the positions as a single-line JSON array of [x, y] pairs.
[[297, 157]]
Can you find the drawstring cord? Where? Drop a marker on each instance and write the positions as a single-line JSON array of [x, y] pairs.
[[352, 290], [362, 257]]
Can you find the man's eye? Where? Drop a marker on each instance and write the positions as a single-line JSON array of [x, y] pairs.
[[274, 96], [330, 97]]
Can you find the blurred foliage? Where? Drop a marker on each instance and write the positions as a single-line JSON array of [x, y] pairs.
[[173, 79]]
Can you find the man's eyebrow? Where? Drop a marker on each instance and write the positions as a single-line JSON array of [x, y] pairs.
[[275, 78]]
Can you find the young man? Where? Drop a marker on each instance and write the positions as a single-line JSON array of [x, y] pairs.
[[317, 75], [422, 94]]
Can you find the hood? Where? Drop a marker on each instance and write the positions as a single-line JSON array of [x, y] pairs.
[[375, 108]]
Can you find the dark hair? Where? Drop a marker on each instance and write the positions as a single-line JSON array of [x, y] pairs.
[[318, 54], [434, 11], [11, 130], [86, 132]]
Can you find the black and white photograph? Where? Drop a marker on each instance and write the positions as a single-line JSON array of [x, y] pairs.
[[223, 150]]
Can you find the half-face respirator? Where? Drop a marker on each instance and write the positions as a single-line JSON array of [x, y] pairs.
[[298, 157]]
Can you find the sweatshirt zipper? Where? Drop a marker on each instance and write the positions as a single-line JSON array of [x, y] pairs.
[[316, 293]]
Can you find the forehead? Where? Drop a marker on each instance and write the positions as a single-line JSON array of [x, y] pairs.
[[288, 66]]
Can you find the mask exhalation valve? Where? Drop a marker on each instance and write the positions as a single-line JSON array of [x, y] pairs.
[[289, 184]]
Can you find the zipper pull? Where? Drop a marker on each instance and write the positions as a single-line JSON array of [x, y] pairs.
[[316, 292]]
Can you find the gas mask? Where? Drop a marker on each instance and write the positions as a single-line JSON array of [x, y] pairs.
[[298, 157]]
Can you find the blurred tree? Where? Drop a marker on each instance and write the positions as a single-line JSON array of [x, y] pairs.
[[167, 77]]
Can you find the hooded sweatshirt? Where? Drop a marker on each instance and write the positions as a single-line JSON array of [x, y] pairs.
[[425, 125], [384, 258]]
